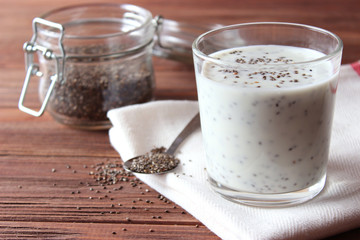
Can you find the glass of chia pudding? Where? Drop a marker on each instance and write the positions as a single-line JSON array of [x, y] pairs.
[[266, 95]]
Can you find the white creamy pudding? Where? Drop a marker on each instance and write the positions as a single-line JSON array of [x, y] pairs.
[[266, 121]]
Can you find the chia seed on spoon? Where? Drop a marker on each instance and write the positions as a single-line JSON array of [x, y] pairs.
[[155, 161]]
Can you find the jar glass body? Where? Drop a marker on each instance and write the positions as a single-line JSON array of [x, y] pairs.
[[107, 62]]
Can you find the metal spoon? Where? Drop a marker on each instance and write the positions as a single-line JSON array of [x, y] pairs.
[[189, 128]]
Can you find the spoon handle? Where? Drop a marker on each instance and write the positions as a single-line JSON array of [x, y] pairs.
[[190, 127]]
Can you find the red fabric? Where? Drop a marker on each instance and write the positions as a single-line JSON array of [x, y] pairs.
[[356, 67]]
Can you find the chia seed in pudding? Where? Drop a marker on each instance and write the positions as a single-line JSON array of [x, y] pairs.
[[266, 122]]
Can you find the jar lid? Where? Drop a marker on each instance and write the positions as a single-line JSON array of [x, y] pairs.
[[174, 40]]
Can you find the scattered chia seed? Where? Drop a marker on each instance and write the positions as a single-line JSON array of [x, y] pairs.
[[112, 173]]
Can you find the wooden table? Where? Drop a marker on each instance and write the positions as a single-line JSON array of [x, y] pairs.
[[47, 190]]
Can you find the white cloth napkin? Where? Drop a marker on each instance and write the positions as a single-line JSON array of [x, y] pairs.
[[138, 128]]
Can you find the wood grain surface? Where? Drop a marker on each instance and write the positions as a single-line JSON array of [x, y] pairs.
[[48, 182]]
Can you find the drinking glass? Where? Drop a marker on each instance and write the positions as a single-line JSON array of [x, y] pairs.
[[266, 109]]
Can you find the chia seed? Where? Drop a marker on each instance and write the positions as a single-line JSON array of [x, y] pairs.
[[92, 85], [156, 161]]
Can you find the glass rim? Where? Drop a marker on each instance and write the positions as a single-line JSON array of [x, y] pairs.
[[146, 13], [208, 58]]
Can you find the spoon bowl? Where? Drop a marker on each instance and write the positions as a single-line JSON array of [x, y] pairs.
[[159, 161]]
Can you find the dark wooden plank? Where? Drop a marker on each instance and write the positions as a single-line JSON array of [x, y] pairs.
[[43, 230]]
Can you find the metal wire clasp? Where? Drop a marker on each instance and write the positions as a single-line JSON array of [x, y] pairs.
[[32, 68]]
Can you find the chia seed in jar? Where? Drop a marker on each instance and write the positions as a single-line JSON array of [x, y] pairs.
[[92, 87]]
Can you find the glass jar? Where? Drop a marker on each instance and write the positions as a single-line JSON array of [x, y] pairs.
[[96, 57]]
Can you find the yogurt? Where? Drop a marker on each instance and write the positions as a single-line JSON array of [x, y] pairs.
[[266, 121]]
